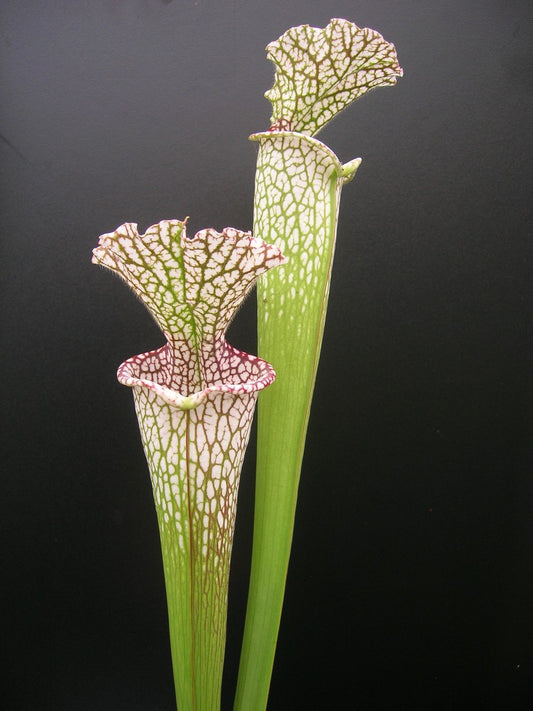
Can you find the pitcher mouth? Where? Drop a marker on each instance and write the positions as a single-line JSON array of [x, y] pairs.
[[244, 374]]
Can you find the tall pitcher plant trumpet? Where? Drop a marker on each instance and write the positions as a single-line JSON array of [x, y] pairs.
[[195, 396], [297, 192]]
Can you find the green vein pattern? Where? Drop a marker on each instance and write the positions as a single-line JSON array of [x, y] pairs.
[[319, 72], [297, 193]]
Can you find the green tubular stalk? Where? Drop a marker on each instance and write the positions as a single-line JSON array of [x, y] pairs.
[[195, 398], [297, 194]]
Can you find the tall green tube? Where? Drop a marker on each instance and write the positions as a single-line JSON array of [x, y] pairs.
[[297, 194]]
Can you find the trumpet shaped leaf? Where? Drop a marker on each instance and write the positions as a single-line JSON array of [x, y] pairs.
[[195, 398], [297, 195]]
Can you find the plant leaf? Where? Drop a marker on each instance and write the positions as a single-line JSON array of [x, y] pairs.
[[319, 72], [195, 399], [297, 193]]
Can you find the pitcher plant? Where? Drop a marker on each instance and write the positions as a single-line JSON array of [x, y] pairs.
[[298, 184], [195, 396]]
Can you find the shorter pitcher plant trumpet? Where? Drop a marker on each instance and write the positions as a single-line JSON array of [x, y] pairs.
[[195, 399]]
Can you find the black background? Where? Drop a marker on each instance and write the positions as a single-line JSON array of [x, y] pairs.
[[411, 577]]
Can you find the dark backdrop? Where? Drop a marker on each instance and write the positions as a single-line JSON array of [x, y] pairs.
[[411, 577]]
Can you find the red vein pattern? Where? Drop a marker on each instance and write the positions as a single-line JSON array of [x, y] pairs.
[[195, 398]]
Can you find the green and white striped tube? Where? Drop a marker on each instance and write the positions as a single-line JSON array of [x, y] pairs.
[[297, 193], [195, 398]]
